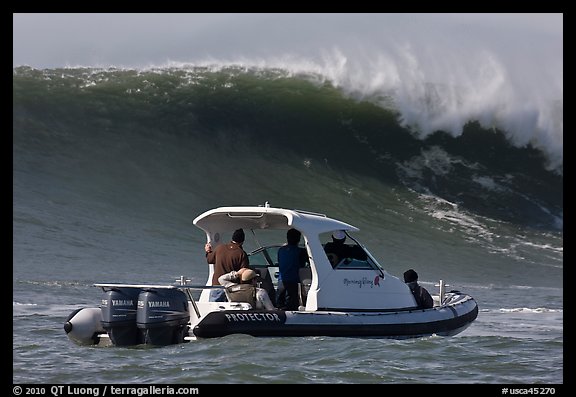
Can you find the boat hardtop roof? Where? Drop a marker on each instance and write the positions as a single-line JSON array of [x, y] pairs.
[[266, 217]]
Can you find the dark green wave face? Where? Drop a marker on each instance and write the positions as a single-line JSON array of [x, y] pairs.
[[258, 135]]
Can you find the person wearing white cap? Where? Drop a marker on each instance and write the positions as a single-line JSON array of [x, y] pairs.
[[339, 236], [241, 287], [337, 250]]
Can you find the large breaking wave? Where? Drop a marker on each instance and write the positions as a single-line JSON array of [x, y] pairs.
[[230, 123]]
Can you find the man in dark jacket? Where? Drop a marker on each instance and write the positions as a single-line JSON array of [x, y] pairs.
[[423, 298], [290, 259], [226, 258]]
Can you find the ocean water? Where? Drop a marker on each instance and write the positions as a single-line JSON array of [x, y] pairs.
[[110, 166]]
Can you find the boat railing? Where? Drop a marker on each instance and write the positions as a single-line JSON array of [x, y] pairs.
[[311, 213], [442, 286]]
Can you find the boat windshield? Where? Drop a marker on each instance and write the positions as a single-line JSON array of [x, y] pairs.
[[264, 256], [350, 255], [370, 260]]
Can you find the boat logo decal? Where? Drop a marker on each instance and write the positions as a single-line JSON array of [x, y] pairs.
[[154, 304], [159, 304], [239, 317], [363, 282], [122, 302]]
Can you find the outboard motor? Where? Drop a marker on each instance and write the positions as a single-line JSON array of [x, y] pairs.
[[119, 307], [162, 316]]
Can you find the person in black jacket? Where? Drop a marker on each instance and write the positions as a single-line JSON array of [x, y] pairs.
[[422, 296], [291, 258]]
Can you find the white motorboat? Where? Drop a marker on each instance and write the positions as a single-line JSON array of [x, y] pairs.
[[355, 297]]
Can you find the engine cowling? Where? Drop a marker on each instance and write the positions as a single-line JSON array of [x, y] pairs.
[[162, 316], [119, 307]]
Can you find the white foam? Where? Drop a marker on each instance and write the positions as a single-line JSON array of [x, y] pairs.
[[451, 213], [23, 304], [530, 310], [488, 183], [480, 90], [481, 86]]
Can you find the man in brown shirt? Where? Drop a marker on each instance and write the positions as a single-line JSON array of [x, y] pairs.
[[226, 258]]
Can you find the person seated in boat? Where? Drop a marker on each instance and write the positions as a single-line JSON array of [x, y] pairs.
[[226, 258], [337, 250], [241, 287], [422, 296], [291, 258]]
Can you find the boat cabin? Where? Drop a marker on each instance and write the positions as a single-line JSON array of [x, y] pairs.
[[356, 282]]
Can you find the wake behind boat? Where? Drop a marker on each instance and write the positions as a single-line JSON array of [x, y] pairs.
[[351, 296]]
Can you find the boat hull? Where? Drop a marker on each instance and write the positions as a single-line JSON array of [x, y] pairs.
[[446, 320], [84, 326]]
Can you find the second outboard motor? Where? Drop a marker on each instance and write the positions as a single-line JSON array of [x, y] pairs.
[[119, 306], [162, 316]]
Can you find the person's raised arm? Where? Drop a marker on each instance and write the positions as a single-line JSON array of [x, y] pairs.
[[210, 254], [231, 278]]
